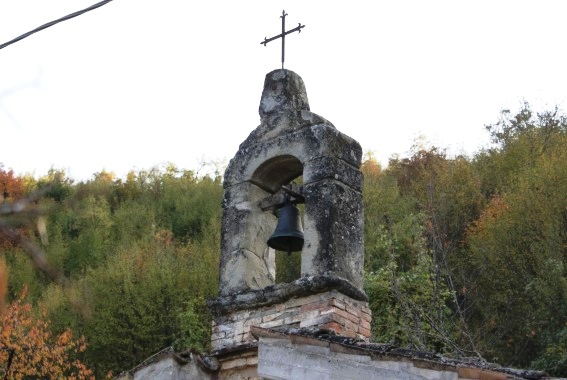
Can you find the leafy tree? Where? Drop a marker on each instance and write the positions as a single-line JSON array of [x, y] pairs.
[[519, 140], [188, 203], [11, 186], [513, 278], [145, 297], [93, 222], [55, 185], [408, 298], [386, 211], [194, 321], [408, 307], [29, 349]]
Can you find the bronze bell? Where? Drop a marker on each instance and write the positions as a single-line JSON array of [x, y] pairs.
[[288, 235]]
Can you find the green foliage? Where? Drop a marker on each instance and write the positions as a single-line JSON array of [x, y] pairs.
[[409, 307], [288, 266], [518, 251], [389, 219], [554, 359], [55, 185], [22, 274], [93, 222], [194, 326], [463, 256], [135, 283], [187, 204], [135, 299], [133, 222]]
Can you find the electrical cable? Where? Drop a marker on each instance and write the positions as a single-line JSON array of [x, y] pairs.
[[64, 18]]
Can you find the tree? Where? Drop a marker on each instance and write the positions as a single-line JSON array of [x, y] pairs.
[[11, 186], [513, 277], [29, 349], [409, 299]]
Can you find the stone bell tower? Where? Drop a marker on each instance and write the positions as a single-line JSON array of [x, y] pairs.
[[291, 142]]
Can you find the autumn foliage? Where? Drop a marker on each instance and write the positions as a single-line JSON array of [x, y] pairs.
[[11, 186], [29, 349]]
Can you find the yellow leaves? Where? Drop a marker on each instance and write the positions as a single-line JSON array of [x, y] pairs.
[[370, 167]]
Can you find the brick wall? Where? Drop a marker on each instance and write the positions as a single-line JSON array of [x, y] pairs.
[[328, 310]]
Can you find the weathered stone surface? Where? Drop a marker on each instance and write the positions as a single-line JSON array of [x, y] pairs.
[[246, 261], [333, 168], [284, 92], [305, 145], [245, 270], [240, 208], [283, 107], [279, 293], [334, 228], [279, 359], [168, 365]]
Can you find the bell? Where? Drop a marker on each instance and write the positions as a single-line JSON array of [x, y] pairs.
[[288, 236]]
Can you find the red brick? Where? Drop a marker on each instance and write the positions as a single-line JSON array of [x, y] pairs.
[[364, 324], [349, 333], [364, 332], [337, 318], [337, 328], [354, 311], [351, 326], [345, 315], [338, 304], [366, 316], [320, 305]]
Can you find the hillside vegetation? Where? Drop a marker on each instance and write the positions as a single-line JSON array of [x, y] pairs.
[[464, 256]]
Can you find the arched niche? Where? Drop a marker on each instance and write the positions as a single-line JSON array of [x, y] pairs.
[[276, 172]]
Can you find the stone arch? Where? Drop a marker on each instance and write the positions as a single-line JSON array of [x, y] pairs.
[[277, 171]]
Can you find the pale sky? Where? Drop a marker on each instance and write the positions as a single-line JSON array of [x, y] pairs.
[[136, 83]]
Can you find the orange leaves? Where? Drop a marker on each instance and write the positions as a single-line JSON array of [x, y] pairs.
[[494, 210], [28, 348], [10, 186]]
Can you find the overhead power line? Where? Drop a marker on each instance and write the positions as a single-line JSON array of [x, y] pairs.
[[64, 18]]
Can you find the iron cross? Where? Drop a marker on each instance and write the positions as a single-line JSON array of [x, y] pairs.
[[282, 35]]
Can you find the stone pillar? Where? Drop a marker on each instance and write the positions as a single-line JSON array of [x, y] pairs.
[[334, 220]]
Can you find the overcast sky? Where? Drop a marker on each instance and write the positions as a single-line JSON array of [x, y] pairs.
[[138, 83]]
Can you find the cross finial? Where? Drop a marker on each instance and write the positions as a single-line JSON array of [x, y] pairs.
[[282, 35]]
